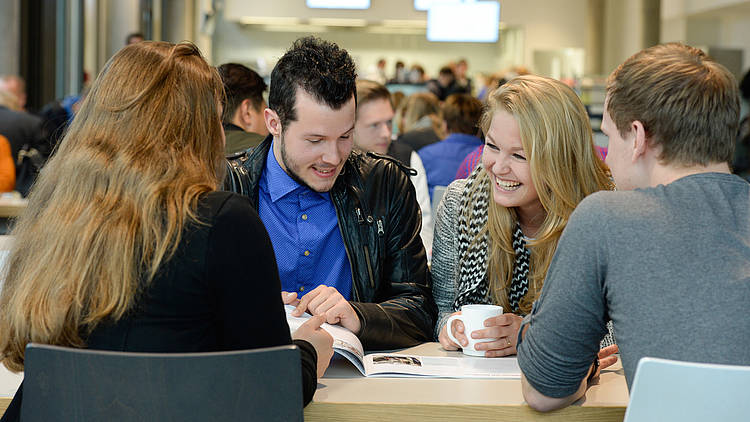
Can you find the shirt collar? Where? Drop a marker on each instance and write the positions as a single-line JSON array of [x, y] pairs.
[[280, 183]]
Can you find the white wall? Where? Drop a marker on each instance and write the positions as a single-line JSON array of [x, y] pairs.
[[547, 25], [10, 42], [708, 23], [122, 17], [624, 31], [533, 25], [235, 43], [735, 33]]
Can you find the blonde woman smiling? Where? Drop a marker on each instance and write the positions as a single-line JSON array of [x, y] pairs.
[[497, 230]]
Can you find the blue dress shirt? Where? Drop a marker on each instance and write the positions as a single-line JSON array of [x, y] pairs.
[[304, 232]]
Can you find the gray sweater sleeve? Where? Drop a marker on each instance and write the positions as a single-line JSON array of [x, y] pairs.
[[444, 253], [569, 318]]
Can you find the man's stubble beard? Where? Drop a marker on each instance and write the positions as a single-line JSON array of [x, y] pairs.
[[290, 166]]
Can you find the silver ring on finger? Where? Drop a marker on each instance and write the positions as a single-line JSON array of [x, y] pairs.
[[507, 339]]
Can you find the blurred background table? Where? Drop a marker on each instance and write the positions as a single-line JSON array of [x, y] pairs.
[[11, 206]]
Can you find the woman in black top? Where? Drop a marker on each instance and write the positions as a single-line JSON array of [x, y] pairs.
[[126, 244]]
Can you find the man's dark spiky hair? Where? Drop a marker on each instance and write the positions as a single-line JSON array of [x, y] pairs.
[[321, 68]]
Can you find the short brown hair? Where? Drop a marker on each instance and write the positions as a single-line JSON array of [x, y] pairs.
[[240, 83], [461, 113], [687, 103], [368, 90]]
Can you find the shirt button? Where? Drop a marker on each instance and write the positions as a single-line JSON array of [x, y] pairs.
[[304, 216], [302, 288], [307, 253]]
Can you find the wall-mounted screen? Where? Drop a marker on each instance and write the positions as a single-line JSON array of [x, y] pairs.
[[338, 4], [464, 22], [426, 4]]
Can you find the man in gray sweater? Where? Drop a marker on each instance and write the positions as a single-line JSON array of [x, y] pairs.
[[667, 256]]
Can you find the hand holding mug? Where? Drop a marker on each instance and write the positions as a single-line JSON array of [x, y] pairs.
[[503, 330], [457, 327], [473, 318]]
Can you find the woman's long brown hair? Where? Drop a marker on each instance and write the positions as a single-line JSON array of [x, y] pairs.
[[110, 205]]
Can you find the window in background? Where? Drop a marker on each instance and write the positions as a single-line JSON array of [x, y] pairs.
[[427, 4], [338, 4], [464, 22]]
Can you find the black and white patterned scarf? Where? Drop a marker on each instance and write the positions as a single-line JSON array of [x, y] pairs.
[[472, 265], [519, 284], [472, 285]]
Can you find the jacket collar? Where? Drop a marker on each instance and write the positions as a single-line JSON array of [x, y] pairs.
[[231, 126]]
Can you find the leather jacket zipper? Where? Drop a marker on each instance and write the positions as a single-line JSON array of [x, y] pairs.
[[369, 266], [365, 247], [355, 292]]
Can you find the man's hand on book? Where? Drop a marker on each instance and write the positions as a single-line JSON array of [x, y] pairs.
[[311, 332], [325, 300]]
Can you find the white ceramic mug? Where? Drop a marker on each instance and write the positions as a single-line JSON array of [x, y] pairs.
[[473, 317]]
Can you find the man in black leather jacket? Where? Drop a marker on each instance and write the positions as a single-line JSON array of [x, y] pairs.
[[310, 120]]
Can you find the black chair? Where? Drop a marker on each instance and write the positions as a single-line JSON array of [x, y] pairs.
[[68, 384]]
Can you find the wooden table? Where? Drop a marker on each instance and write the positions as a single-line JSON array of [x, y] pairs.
[[9, 383], [345, 395]]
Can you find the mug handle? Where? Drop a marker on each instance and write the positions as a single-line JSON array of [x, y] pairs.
[[449, 328]]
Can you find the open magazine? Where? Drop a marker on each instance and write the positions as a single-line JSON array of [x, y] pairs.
[[346, 344]]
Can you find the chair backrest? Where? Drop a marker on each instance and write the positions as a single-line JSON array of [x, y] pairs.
[[88, 385], [670, 390], [437, 194]]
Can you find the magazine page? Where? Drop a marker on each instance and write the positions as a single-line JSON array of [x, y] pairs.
[[394, 365], [345, 342]]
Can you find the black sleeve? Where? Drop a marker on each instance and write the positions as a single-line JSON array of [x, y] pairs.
[[242, 264], [403, 312], [309, 370]]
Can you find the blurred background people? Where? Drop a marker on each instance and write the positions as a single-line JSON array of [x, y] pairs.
[[463, 82], [16, 86], [444, 85], [19, 127], [377, 73], [400, 74], [421, 121], [243, 120], [441, 159], [7, 167], [133, 38], [416, 74]]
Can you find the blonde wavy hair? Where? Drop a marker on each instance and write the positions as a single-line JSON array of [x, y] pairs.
[[557, 138], [418, 105], [110, 206]]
